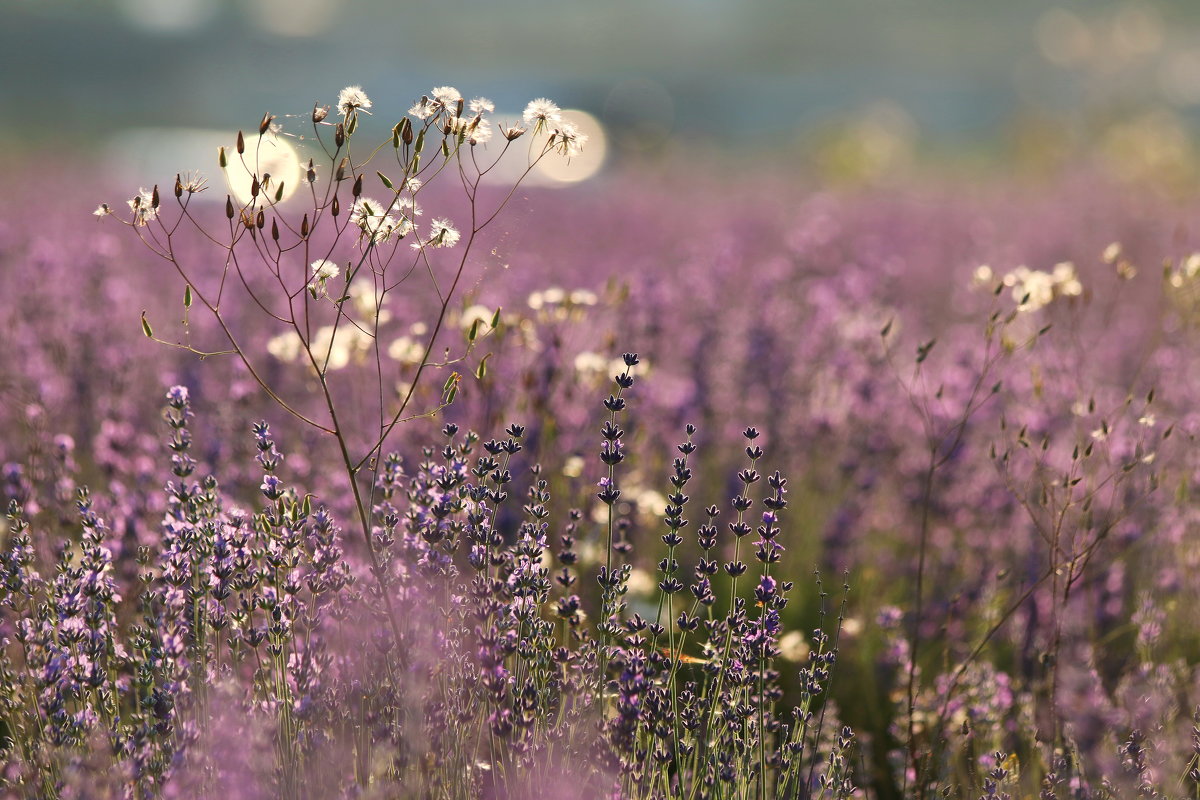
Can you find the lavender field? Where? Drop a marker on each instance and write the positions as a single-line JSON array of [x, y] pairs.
[[363, 460]]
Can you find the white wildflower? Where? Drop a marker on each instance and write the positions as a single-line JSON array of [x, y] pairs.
[[445, 96], [590, 364], [376, 225], [553, 295], [1191, 266], [442, 233], [102, 210], [422, 109], [367, 302], [983, 276], [406, 350], [542, 113], [351, 99], [285, 346], [583, 297], [482, 133], [142, 206], [1111, 253], [481, 105], [323, 269], [1066, 281], [567, 139], [335, 348]]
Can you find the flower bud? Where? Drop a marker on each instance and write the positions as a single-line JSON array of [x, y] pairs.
[[228, 207], [178, 186], [241, 144], [304, 226], [335, 207], [339, 135], [154, 197], [265, 124], [357, 190], [222, 159], [406, 133]]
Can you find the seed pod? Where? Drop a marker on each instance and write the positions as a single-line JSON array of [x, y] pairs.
[[335, 207], [254, 186], [241, 144], [178, 186], [420, 142], [265, 125], [340, 175], [279, 192], [154, 197], [339, 135], [312, 172], [406, 133], [222, 159], [304, 226], [228, 207], [274, 229], [357, 190], [260, 220], [319, 113], [396, 135]]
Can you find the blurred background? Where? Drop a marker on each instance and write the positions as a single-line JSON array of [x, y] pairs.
[[858, 90]]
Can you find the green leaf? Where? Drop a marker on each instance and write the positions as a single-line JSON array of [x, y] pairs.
[[187, 296], [474, 332], [386, 180], [481, 370]]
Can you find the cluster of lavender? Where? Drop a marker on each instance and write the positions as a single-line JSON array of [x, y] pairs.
[[246, 656]]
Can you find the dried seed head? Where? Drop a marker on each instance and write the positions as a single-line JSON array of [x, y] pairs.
[[265, 124], [319, 113]]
